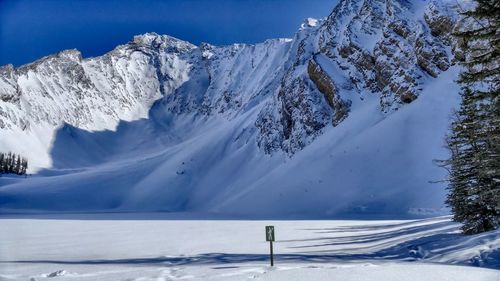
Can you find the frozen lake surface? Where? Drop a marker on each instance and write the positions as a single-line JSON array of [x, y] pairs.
[[129, 247]]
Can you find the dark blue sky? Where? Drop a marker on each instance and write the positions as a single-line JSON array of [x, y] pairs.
[[31, 29]]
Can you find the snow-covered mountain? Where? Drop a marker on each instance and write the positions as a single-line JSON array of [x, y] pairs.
[[345, 118]]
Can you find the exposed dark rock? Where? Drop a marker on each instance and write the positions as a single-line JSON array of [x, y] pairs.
[[400, 27], [326, 86], [431, 56], [440, 24], [322, 81]]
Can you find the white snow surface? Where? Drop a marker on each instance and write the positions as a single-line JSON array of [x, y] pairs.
[[241, 131], [159, 247], [369, 164]]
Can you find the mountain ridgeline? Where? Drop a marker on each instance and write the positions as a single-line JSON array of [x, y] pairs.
[[284, 127]]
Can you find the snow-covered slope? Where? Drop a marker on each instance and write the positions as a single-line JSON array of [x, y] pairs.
[[92, 94], [345, 118]]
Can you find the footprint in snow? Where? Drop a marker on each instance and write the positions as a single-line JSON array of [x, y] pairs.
[[61, 272]]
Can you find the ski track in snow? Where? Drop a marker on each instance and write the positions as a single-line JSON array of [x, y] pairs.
[[117, 247]]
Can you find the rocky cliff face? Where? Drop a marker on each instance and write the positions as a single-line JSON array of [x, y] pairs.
[[92, 93], [371, 47], [344, 118], [387, 47], [296, 88]]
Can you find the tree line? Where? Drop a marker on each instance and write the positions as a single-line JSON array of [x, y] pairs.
[[474, 140], [11, 163]]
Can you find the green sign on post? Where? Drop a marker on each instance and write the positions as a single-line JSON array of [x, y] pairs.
[[270, 238], [269, 233]]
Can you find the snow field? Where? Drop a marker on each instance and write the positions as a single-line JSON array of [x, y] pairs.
[[117, 247]]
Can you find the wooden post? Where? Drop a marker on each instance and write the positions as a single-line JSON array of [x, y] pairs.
[[270, 238], [272, 256]]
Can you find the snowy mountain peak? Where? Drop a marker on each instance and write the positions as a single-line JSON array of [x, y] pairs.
[[309, 22], [285, 117], [155, 40], [71, 54], [7, 71]]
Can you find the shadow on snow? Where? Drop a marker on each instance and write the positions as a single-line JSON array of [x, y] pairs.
[[425, 243]]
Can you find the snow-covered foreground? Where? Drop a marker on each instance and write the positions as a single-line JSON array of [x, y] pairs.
[[127, 247]]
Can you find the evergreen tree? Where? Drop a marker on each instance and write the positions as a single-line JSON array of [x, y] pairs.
[[24, 166], [17, 169], [4, 163], [474, 165], [11, 163], [7, 163], [1, 163]]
